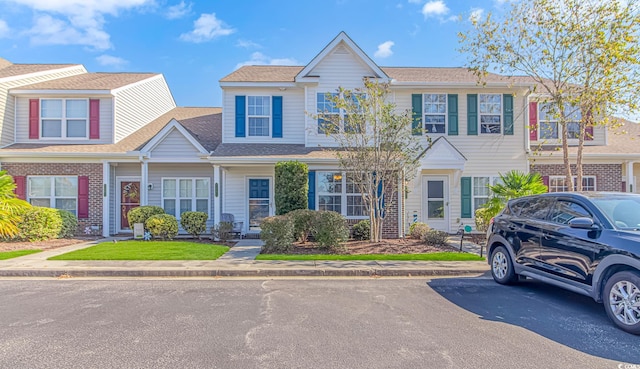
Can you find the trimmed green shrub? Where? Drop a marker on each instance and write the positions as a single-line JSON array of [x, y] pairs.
[[222, 231], [302, 223], [362, 230], [162, 226], [277, 234], [194, 222], [291, 186], [330, 229], [483, 217], [39, 224], [418, 230], [434, 237], [69, 224], [142, 213]]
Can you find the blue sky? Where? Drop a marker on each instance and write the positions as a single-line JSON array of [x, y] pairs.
[[195, 43]]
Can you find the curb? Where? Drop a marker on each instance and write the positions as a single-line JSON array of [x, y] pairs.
[[56, 273]]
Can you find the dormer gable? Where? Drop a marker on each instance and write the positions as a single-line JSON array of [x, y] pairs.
[[174, 141]]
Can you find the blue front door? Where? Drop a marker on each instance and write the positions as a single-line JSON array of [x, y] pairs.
[[258, 202]]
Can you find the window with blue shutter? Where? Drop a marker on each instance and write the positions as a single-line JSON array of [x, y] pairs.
[[472, 114], [311, 195], [452, 101], [240, 115], [277, 116], [416, 123], [507, 112], [465, 196]]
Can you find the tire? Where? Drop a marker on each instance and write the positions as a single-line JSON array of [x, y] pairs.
[[621, 298], [502, 267]]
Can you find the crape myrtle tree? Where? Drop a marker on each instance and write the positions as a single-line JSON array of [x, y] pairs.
[[375, 145], [582, 55]]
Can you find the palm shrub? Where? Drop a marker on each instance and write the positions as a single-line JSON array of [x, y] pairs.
[[291, 186], [142, 213], [194, 222], [512, 185], [163, 226], [11, 207]]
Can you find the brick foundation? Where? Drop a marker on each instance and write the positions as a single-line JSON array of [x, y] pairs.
[[390, 225], [92, 170], [608, 176]]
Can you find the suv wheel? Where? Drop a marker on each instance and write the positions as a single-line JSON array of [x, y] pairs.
[[502, 267], [622, 300]]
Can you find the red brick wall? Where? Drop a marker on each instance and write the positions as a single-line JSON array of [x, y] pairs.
[[390, 225], [92, 170], [608, 176]]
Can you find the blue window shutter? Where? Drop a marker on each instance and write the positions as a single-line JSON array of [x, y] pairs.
[[381, 194], [472, 115], [416, 123], [507, 113], [465, 196], [240, 116], [311, 194], [452, 101], [276, 102]]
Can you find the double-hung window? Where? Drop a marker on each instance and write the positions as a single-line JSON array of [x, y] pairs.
[[481, 192], [64, 118], [332, 119], [549, 117], [435, 113], [558, 183], [490, 113], [339, 192], [59, 192], [185, 194], [259, 115]]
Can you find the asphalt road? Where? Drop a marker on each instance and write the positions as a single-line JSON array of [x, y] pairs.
[[296, 323]]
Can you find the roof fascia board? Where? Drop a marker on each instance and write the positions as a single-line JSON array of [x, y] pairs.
[[42, 73], [59, 92], [395, 83], [269, 160], [258, 84], [164, 132]]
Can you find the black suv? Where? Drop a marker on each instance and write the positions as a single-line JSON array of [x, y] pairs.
[[585, 242]]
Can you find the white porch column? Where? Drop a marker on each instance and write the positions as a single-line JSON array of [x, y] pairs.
[[106, 199], [144, 183], [630, 184], [217, 188]]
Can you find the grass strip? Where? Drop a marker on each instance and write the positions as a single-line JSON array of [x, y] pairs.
[[435, 256], [14, 254], [146, 250]]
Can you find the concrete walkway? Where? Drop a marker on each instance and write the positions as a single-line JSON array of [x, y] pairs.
[[238, 262]]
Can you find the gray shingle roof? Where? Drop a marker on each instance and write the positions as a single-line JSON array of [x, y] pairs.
[[253, 150], [7, 69], [90, 81]]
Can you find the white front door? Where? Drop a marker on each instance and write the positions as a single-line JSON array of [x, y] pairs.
[[435, 205]]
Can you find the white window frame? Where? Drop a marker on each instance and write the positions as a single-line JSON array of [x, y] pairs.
[[555, 187], [341, 113], [52, 194], [343, 194], [574, 120], [268, 116], [193, 197], [493, 180], [63, 120], [481, 114], [425, 113]]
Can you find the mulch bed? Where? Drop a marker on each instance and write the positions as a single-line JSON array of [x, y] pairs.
[[387, 246], [44, 245]]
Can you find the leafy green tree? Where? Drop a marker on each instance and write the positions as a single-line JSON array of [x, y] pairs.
[[375, 145], [512, 185], [581, 54], [11, 207], [291, 186]]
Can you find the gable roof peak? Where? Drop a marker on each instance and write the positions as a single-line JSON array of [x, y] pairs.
[[342, 37]]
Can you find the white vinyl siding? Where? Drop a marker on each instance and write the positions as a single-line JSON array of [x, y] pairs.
[[175, 147], [139, 104], [235, 192]]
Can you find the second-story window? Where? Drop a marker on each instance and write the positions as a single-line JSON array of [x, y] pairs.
[[64, 118], [550, 116], [259, 114], [435, 113], [490, 113], [332, 119]]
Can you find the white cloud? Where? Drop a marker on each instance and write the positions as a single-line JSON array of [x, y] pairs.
[[75, 22], [4, 29], [111, 61], [435, 8], [179, 10], [247, 44], [476, 14], [259, 58], [206, 28], [384, 50]]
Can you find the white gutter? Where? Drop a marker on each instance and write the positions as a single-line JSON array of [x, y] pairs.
[[457, 84], [258, 84]]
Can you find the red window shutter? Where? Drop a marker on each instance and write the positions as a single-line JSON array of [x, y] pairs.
[[21, 187], [34, 119], [83, 197], [533, 121], [545, 181], [624, 187], [94, 119]]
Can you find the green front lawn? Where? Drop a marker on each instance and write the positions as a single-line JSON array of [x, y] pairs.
[[14, 254], [146, 250], [435, 256]]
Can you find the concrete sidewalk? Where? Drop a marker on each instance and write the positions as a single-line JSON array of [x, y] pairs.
[[238, 262]]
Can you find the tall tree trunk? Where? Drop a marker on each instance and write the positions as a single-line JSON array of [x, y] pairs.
[[565, 157]]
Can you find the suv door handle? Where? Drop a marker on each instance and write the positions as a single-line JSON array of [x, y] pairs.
[[511, 227]]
